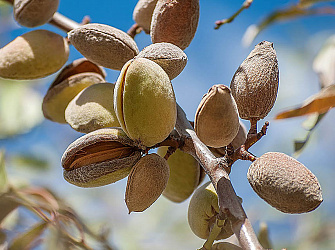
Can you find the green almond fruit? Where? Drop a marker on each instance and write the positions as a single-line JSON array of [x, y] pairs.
[[33, 55], [175, 22], [103, 44], [167, 55], [32, 13], [144, 102], [285, 183], [70, 81], [255, 83], [146, 182], [202, 212], [184, 175], [216, 120], [143, 13], [99, 158], [92, 109]]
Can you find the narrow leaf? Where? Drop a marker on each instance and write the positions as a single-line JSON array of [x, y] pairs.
[[7, 205], [26, 239], [282, 15], [3, 174], [263, 236], [299, 145], [308, 3], [2, 240], [320, 103], [30, 161], [324, 63]]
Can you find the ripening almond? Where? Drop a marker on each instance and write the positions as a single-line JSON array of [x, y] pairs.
[[33, 55], [216, 120], [175, 21], [255, 83], [285, 183]]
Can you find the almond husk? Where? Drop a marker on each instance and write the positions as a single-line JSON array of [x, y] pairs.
[[285, 183], [146, 182]]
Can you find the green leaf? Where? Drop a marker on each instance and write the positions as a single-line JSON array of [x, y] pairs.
[[3, 174], [2, 239], [30, 161], [299, 145], [318, 103], [25, 240], [20, 108], [263, 236], [7, 206]]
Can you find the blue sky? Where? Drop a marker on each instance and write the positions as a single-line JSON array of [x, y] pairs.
[[213, 57]]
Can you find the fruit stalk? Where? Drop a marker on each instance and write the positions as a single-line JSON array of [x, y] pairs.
[[217, 169]]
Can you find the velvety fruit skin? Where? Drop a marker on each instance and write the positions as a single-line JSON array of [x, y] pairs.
[[72, 79], [146, 182], [202, 212], [143, 12], [285, 183], [103, 44], [240, 137], [144, 102], [92, 109], [175, 21], [184, 175], [167, 55], [32, 13], [99, 158], [225, 246], [59, 96], [255, 83], [236, 143], [33, 55], [216, 120]]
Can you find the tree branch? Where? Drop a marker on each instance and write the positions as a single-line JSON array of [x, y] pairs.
[[134, 30], [63, 23], [253, 137], [244, 6], [217, 170]]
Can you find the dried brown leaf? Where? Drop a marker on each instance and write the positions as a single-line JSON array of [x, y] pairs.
[[320, 103]]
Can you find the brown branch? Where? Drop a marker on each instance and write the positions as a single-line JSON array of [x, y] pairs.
[[244, 6], [242, 152], [134, 30], [217, 168], [254, 136], [63, 23]]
